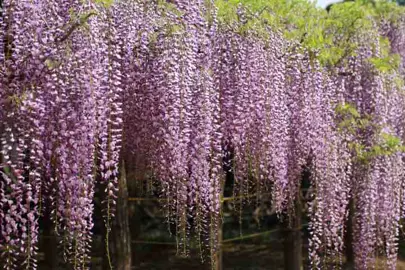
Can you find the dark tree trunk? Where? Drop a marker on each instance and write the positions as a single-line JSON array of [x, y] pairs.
[[50, 245], [293, 240], [218, 255], [135, 228], [349, 238], [121, 237]]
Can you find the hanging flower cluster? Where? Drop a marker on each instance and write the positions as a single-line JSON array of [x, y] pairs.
[[278, 117], [171, 115], [250, 76], [60, 104], [316, 145], [377, 185], [333, 120], [365, 160], [181, 93]]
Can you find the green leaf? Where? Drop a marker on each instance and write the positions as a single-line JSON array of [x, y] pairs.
[[105, 3]]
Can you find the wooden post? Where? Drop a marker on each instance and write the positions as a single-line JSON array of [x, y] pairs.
[[219, 253], [50, 245], [293, 240], [349, 252], [135, 229], [121, 237], [218, 259]]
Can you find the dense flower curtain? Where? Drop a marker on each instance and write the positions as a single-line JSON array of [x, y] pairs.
[[186, 91]]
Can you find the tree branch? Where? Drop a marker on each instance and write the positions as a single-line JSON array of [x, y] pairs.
[[74, 26]]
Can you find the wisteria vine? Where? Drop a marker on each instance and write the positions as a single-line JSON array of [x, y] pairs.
[[186, 91]]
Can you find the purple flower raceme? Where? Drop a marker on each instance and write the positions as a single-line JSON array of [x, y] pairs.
[[171, 117], [55, 98]]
